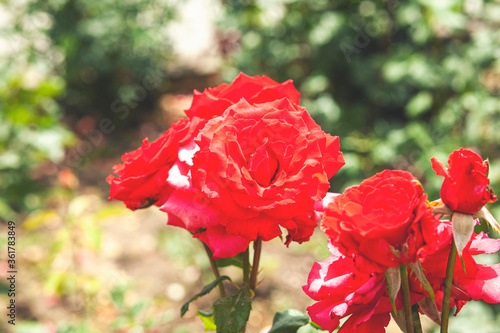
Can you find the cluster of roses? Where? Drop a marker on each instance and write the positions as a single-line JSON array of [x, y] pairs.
[[386, 222], [249, 162]]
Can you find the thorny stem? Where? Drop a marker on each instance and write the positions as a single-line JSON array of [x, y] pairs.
[[405, 291], [445, 315], [215, 270], [417, 326], [256, 259]]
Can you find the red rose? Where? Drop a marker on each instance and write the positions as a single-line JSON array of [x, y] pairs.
[[146, 178], [341, 290], [161, 173], [263, 166], [465, 187], [379, 220], [142, 178]]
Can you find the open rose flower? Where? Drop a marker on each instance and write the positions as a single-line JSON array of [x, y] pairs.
[[266, 173], [379, 220], [263, 166], [150, 173], [465, 187], [341, 290]]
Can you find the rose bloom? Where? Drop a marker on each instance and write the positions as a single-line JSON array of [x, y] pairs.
[[262, 167], [465, 187], [151, 173], [268, 171], [379, 220], [341, 290]]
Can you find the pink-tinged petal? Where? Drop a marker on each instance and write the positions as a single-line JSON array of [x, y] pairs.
[[484, 285], [222, 244], [321, 314], [189, 210], [482, 244]]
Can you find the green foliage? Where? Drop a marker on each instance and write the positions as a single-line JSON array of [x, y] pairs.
[[288, 321], [109, 47], [32, 138]]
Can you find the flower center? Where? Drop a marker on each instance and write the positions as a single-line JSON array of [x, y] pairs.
[[263, 165]]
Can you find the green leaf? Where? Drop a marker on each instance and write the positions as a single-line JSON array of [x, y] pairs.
[[138, 307], [208, 288], [233, 261], [208, 320], [288, 321], [117, 295], [419, 104], [231, 313]]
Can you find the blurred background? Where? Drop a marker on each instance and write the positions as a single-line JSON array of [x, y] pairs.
[[84, 81]]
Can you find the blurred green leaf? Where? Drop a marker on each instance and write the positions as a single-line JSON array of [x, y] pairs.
[[288, 321], [118, 296], [419, 104]]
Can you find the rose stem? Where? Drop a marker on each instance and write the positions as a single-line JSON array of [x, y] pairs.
[[246, 273], [215, 270], [417, 326], [257, 246], [445, 315], [405, 290], [246, 266]]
